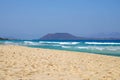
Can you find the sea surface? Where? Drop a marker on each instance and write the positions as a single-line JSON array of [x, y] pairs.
[[105, 47]]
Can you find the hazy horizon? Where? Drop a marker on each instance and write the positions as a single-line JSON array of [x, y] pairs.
[[28, 19]]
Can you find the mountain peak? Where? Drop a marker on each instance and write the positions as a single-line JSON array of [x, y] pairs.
[[59, 36]]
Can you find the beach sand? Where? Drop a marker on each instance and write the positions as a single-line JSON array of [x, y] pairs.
[[23, 63]]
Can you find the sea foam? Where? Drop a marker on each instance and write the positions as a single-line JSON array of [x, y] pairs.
[[69, 43], [112, 43], [85, 46]]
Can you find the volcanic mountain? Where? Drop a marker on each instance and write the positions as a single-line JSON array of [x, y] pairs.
[[60, 36]]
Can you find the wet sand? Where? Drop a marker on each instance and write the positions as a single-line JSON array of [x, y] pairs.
[[23, 63]]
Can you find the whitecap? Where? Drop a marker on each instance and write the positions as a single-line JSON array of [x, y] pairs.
[[47, 42], [69, 43], [102, 43], [66, 46], [10, 43], [83, 47], [30, 43]]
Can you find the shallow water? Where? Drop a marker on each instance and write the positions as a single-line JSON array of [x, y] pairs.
[[105, 47]]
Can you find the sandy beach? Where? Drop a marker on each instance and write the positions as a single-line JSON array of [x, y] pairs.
[[23, 63]]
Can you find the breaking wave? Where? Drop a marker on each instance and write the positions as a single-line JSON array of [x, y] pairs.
[[66, 46], [101, 48], [10, 43], [94, 47], [69, 43], [30, 43], [105, 43]]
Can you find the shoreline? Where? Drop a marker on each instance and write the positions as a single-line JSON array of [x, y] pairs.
[[97, 47], [74, 51], [26, 63], [62, 50], [70, 51]]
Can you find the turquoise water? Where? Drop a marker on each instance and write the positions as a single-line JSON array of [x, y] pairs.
[[105, 47]]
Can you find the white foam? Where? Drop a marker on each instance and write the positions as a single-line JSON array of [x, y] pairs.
[[100, 48], [115, 48], [102, 43], [83, 47], [75, 42], [30, 43], [56, 45], [48, 42], [66, 46], [91, 48], [69, 43], [11, 43], [97, 48]]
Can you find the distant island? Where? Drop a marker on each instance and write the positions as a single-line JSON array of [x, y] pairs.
[[67, 36], [60, 36]]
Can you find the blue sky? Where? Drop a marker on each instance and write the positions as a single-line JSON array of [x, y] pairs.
[[31, 19]]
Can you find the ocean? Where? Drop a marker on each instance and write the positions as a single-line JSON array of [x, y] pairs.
[[104, 47]]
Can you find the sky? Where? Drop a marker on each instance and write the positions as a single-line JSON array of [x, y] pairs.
[[31, 19]]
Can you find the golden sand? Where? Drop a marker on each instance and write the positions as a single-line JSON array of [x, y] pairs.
[[23, 63]]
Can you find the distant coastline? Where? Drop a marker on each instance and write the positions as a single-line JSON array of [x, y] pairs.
[[64, 36], [4, 38]]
